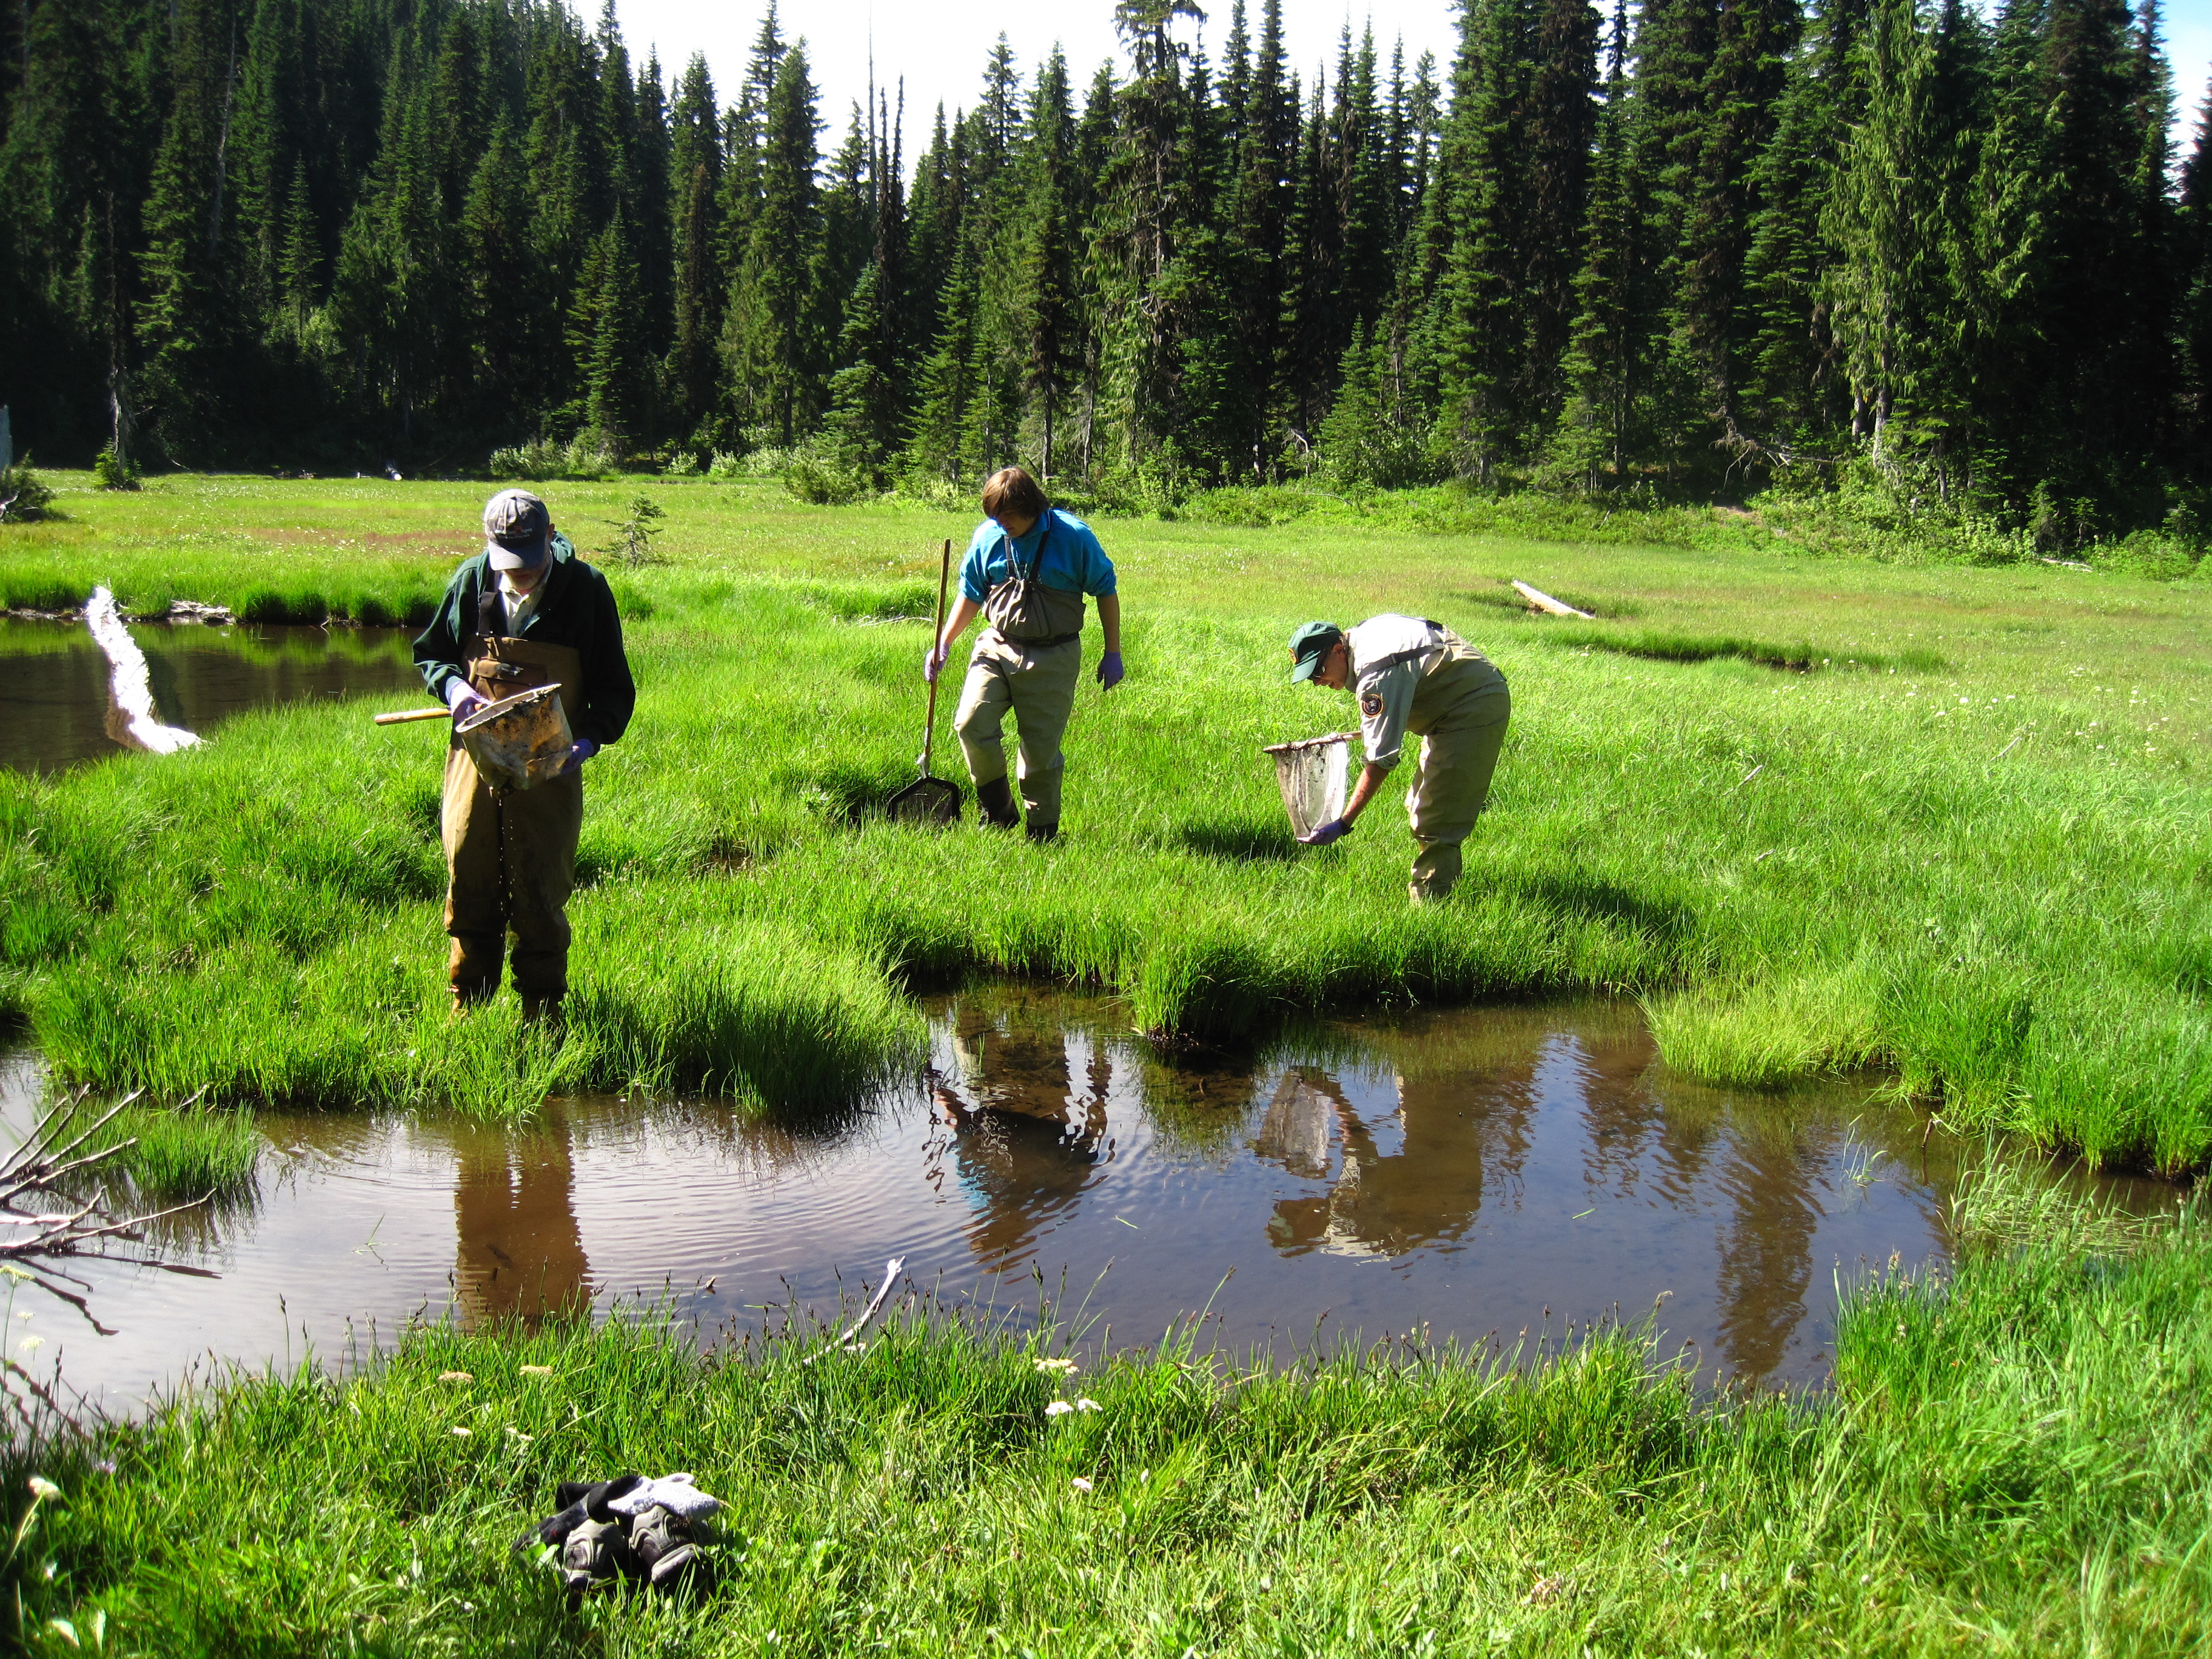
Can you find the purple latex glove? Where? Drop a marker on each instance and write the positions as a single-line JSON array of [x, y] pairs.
[[463, 699], [1110, 671], [579, 751], [1324, 834], [933, 662]]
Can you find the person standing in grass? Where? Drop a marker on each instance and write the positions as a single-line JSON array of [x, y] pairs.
[[1415, 676], [525, 612], [1028, 568]]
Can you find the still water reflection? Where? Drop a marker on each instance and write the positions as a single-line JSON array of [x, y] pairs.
[[56, 703], [1470, 1173]]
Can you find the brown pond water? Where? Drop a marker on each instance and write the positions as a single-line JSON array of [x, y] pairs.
[[56, 709], [1463, 1174]]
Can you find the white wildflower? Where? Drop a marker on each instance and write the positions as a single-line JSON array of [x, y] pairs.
[[1055, 1367], [1058, 1408], [1088, 1406], [32, 1344], [44, 1489], [458, 1433], [1080, 1484]]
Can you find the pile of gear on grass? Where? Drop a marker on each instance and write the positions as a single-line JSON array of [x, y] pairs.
[[629, 1530]]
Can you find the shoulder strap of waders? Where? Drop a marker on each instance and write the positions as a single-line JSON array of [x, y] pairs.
[[1036, 563], [1397, 657]]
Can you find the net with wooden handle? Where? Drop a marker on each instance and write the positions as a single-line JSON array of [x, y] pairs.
[[406, 714]]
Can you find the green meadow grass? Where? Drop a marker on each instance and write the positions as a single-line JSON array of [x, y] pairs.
[[2014, 1462], [1968, 844]]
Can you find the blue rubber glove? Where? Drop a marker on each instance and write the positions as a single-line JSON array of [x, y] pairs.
[[463, 699], [1110, 671], [1324, 835], [579, 751]]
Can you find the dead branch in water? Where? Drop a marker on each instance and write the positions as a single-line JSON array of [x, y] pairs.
[[69, 1225]]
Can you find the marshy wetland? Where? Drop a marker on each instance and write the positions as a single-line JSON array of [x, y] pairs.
[[1506, 1177], [1903, 842]]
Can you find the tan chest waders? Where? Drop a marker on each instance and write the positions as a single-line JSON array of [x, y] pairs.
[[510, 854], [1022, 608]]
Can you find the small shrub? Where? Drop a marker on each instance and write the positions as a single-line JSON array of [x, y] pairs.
[[587, 455], [24, 496], [113, 472], [822, 478], [632, 536]]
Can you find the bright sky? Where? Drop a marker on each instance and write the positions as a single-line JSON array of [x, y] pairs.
[[940, 49]]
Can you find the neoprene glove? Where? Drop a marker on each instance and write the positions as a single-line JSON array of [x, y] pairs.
[[1324, 834], [462, 698], [932, 662], [579, 751], [1109, 669]]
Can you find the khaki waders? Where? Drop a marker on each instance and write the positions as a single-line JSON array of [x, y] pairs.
[[511, 854], [1459, 712], [1036, 683]]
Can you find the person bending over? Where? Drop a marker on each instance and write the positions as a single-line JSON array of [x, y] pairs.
[[1411, 675], [1028, 568], [525, 612]]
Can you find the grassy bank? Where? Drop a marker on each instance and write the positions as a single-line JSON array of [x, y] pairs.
[[1969, 840], [2017, 1462]]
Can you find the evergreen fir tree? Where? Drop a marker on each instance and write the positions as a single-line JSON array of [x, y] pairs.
[[698, 280], [773, 344], [1605, 370]]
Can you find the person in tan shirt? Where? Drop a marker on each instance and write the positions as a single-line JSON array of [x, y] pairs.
[[1411, 675]]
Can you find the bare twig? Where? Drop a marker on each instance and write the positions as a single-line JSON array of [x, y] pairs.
[[891, 1271]]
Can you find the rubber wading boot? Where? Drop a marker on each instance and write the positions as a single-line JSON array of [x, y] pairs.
[[1043, 832], [597, 1556], [543, 1011], [996, 801], [662, 1539]]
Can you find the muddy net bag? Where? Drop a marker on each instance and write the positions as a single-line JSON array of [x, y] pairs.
[[1312, 775]]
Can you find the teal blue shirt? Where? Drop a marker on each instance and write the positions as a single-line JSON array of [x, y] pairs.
[[1073, 561]]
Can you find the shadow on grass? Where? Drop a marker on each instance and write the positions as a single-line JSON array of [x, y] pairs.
[[1239, 841], [1591, 900]]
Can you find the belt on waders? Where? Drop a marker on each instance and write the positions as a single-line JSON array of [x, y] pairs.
[[1040, 644]]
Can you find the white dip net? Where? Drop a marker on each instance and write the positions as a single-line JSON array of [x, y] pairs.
[[1312, 775]]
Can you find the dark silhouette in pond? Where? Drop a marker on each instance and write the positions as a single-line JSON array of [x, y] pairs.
[[521, 1254], [1026, 1141]]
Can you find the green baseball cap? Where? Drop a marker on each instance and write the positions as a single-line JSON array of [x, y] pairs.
[[1309, 644]]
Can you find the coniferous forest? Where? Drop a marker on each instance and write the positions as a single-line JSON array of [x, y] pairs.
[[1684, 252]]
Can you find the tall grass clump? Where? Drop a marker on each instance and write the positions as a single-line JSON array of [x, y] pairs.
[[178, 1154], [2017, 1451], [1770, 1033]]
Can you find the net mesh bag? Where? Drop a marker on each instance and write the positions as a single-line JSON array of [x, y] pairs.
[[1312, 777]]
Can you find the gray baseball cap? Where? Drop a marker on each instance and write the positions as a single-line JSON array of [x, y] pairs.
[[518, 531]]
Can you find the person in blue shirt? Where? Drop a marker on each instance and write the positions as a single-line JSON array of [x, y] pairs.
[[1028, 568]]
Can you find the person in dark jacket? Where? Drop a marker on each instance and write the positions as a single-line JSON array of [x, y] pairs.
[[525, 612]]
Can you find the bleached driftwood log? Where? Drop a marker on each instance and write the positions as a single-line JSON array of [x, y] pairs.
[[1540, 600]]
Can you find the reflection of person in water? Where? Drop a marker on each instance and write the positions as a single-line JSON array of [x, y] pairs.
[[1027, 1143], [1426, 1192], [521, 1254], [1767, 1252]]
